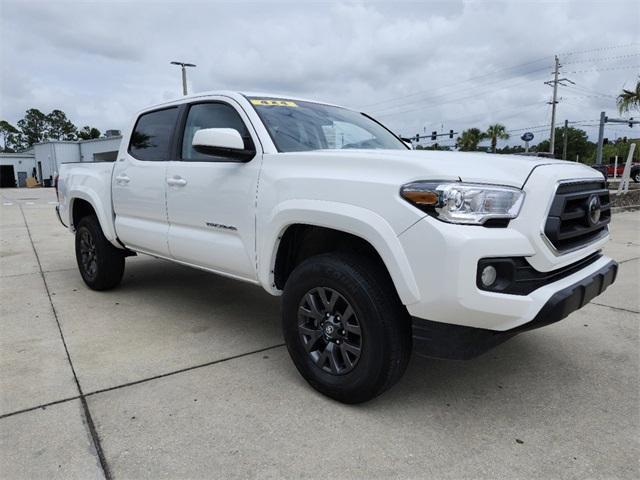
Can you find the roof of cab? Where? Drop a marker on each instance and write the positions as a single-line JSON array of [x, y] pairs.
[[232, 94]]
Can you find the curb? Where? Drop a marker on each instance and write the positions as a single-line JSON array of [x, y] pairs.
[[626, 208]]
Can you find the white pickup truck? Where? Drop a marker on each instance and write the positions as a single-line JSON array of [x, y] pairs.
[[376, 249]]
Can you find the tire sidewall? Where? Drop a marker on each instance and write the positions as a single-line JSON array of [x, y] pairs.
[[109, 259], [338, 277]]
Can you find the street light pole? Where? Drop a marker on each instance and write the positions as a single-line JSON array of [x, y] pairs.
[[184, 74]]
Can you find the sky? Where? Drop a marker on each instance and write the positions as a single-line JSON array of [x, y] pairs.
[[417, 66]]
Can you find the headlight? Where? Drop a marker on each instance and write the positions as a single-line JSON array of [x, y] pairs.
[[464, 203]]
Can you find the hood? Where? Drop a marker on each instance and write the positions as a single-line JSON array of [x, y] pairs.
[[413, 165]]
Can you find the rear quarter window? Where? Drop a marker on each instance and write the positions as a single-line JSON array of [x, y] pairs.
[[152, 135]]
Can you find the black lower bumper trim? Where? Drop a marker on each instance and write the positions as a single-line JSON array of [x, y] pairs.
[[445, 340]]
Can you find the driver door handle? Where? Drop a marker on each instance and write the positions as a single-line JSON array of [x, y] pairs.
[[122, 179], [176, 181]]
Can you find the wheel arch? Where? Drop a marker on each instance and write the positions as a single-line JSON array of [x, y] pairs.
[[299, 229], [84, 202]]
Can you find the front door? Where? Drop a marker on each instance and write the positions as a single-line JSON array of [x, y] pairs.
[[139, 183], [211, 199]]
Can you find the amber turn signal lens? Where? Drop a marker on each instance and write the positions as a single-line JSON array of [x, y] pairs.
[[421, 198]]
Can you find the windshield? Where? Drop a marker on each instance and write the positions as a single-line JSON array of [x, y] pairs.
[[297, 126]]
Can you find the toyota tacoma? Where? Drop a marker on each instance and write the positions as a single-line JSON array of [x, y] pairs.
[[377, 250]]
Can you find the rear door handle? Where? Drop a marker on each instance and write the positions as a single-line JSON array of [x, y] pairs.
[[122, 179], [176, 181]]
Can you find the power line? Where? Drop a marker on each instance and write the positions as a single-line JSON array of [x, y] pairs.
[[464, 81], [600, 49], [582, 89], [433, 105], [603, 59], [606, 69], [392, 99]]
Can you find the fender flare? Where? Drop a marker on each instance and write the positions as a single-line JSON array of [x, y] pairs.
[[106, 223], [347, 218]]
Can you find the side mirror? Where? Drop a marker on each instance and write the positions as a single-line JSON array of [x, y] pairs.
[[222, 142]]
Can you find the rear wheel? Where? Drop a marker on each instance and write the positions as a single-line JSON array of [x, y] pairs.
[[636, 175], [101, 264], [345, 328]]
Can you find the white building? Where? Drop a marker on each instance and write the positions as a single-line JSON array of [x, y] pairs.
[[43, 159], [15, 168]]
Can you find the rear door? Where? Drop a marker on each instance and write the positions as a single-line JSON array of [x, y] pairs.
[[139, 183], [211, 199]]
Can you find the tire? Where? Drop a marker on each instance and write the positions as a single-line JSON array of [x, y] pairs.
[[359, 366], [636, 175], [100, 263]]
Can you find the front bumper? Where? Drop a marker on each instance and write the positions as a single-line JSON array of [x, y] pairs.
[[442, 340]]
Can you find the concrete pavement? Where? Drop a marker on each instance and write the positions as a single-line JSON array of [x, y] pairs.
[[181, 374]]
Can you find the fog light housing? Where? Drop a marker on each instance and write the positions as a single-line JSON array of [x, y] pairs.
[[488, 276]]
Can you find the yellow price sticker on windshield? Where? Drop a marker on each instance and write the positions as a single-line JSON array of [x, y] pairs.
[[273, 103]]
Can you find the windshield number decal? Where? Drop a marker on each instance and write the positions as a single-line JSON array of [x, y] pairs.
[[273, 103]]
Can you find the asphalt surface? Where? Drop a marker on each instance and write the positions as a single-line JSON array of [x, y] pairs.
[[182, 374]]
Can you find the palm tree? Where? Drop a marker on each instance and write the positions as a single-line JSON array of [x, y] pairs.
[[629, 99], [494, 133], [469, 139]]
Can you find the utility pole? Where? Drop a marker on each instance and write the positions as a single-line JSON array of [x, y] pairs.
[[603, 120], [565, 139], [556, 71], [554, 83], [184, 74]]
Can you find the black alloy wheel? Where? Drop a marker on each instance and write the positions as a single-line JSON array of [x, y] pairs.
[[345, 327], [329, 330], [101, 264], [88, 256]]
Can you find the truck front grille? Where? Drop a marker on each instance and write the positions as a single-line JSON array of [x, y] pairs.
[[579, 214]]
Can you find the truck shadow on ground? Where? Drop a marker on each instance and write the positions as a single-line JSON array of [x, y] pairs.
[[531, 365]]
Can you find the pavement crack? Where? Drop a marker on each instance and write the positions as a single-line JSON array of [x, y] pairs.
[[628, 260], [85, 407], [43, 406], [182, 370], [622, 309]]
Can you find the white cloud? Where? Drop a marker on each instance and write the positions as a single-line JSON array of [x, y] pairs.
[[100, 62]]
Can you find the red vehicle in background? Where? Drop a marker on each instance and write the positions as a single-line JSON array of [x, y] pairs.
[[609, 170], [635, 170]]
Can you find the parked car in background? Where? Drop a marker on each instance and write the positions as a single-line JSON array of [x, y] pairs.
[[611, 170], [377, 250]]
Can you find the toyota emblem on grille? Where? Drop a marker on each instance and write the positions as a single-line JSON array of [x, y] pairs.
[[593, 209]]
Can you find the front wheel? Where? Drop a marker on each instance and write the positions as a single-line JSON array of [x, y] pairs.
[[101, 264], [636, 175], [344, 326]]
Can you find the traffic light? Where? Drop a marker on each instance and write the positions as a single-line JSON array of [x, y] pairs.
[[450, 133], [417, 137], [631, 122], [434, 135], [605, 141]]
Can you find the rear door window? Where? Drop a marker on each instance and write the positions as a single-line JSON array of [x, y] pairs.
[[152, 135]]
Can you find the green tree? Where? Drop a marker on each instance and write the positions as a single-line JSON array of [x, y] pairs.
[[60, 127], [469, 139], [494, 133], [34, 127], [629, 99], [578, 144], [511, 149], [10, 137], [87, 133]]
